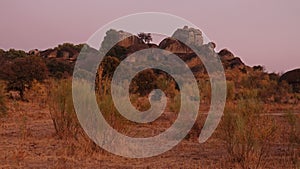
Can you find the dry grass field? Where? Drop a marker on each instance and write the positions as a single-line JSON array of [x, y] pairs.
[[29, 140]]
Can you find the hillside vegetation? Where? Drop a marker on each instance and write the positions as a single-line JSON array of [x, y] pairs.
[[259, 129]]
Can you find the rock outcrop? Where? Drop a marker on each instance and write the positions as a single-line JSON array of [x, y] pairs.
[[189, 36], [174, 46], [49, 53], [181, 39], [225, 54], [293, 78], [65, 53], [137, 47], [229, 60], [128, 39], [236, 62], [34, 52], [120, 38]]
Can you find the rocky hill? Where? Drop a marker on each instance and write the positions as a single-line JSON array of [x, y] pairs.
[[60, 60]]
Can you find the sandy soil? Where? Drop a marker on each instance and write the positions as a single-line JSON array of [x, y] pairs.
[[28, 140]]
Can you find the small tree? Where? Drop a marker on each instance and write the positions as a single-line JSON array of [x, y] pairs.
[[21, 72], [144, 82], [12, 53], [146, 37], [59, 68]]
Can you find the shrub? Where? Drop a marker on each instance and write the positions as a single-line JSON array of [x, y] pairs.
[[230, 90], [105, 73], [146, 37], [266, 86], [21, 72], [294, 138], [3, 108], [117, 51], [144, 82], [111, 114], [247, 133], [61, 109], [12, 53], [109, 65], [64, 117], [59, 69], [174, 104], [38, 94], [166, 83], [205, 90]]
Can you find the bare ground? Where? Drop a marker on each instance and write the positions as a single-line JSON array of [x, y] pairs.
[[28, 140]]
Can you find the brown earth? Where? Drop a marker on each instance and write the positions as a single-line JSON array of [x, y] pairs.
[[28, 140]]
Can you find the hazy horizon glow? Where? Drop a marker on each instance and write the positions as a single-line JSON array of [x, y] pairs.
[[259, 32]]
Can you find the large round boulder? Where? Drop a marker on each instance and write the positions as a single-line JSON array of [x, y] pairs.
[[190, 36], [293, 78]]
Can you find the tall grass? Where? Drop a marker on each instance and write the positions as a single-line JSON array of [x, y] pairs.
[[62, 110], [247, 133], [63, 115], [3, 106], [294, 138], [66, 121]]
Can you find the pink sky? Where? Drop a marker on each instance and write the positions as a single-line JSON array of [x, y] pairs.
[[260, 32]]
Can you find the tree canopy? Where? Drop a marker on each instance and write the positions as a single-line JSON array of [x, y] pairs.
[[21, 72], [146, 37]]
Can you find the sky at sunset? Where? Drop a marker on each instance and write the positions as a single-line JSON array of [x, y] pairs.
[[259, 32]]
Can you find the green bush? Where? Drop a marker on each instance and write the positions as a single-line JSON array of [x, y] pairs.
[[12, 53], [144, 82], [21, 72], [117, 51], [59, 69]]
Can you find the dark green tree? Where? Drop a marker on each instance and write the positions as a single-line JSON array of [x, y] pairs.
[[12, 53], [59, 68], [144, 82], [146, 37], [21, 72], [109, 65], [117, 51]]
